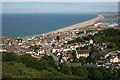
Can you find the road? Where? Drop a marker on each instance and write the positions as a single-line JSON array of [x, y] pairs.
[[50, 53]]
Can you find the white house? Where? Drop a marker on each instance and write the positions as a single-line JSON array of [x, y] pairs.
[[114, 60], [91, 41], [98, 24], [58, 54], [53, 50]]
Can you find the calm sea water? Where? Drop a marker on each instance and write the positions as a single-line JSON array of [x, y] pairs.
[[112, 21], [20, 25]]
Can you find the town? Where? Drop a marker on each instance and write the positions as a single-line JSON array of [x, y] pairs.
[[75, 47]]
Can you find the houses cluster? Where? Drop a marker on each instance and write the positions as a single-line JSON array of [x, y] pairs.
[[47, 44], [111, 59], [25, 45], [63, 51], [105, 24]]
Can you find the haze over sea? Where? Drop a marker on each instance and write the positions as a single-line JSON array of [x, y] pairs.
[[20, 25]]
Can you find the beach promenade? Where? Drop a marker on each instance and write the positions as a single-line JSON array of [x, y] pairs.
[[83, 24]]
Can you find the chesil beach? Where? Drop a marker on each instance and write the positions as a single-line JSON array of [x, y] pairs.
[[79, 25], [83, 24]]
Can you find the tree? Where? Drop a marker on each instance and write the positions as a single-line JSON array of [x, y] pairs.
[[81, 60], [93, 49], [91, 60], [87, 38], [9, 56], [58, 38], [85, 47], [53, 45], [79, 39], [98, 57], [95, 74], [80, 71], [112, 46]]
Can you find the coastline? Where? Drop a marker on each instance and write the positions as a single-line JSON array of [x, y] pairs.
[[79, 25]]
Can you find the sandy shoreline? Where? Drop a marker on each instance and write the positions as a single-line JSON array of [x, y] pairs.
[[83, 24]]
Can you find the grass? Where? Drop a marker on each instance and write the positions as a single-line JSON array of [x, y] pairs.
[[19, 70]]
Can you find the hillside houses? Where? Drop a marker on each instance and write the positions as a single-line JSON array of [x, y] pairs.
[[47, 44]]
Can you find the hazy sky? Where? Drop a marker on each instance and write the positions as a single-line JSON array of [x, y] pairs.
[[58, 7]]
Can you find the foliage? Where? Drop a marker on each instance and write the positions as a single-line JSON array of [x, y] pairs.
[[108, 36], [87, 37], [91, 60], [58, 38], [29, 61], [81, 60], [84, 60], [35, 47], [25, 66], [19, 70], [79, 39], [90, 72], [7, 57], [85, 47], [94, 49]]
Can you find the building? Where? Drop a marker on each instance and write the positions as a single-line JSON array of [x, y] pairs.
[[104, 55], [114, 60], [56, 49], [91, 41], [82, 53]]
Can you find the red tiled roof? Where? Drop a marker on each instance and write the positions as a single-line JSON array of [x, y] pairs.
[[57, 48]]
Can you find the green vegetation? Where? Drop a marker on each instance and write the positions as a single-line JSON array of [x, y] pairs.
[[58, 38], [25, 66], [84, 60], [109, 36], [19, 70], [81, 60], [35, 47], [91, 73], [76, 40], [85, 47], [43, 63]]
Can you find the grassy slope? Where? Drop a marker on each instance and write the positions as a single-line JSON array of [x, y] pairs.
[[19, 70]]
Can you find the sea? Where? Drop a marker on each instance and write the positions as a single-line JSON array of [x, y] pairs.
[[111, 21], [21, 25]]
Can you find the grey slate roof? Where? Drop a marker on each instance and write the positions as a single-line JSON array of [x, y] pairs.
[[83, 51]]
